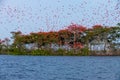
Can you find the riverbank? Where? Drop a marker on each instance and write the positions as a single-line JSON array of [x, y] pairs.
[[60, 52]]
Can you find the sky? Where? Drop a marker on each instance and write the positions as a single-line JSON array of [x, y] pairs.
[[46, 15]]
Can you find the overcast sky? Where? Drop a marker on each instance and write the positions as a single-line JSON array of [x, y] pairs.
[[45, 15]]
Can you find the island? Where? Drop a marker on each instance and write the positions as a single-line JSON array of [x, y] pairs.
[[74, 40]]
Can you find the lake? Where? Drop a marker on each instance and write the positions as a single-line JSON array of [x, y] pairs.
[[59, 68]]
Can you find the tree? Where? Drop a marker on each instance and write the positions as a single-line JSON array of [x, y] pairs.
[[1, 45], [76, 30], [7, 44], [18, 40], [118, 24], [64, 36], [114, 38]]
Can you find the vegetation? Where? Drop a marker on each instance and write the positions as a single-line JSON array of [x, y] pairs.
[[74, 40]]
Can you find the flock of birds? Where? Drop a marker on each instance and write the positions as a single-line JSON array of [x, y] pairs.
[[29, 18]]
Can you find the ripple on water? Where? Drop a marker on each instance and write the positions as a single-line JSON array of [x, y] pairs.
[[59, 68]]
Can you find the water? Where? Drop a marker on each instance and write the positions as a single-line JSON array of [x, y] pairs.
[[59, 68]]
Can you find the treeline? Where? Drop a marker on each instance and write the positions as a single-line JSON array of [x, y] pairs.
[[74, 40]]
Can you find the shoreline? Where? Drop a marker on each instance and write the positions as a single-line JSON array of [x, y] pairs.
[[79, 55]]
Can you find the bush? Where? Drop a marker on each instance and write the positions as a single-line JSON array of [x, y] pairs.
[[85, 51], [60, 52], [43, 52]]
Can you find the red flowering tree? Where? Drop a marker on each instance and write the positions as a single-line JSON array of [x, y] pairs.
[[77, 31], [97, 26], [64, 36]]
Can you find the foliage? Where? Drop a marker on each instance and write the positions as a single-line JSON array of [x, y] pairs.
[[77, 38]]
